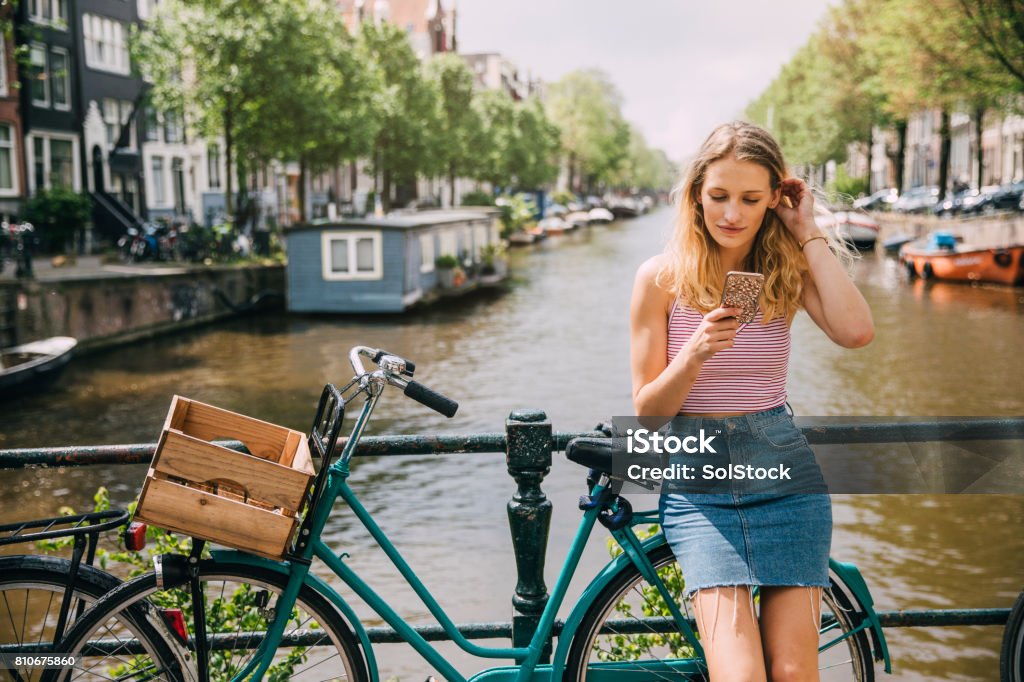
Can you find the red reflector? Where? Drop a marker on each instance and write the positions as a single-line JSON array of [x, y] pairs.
[[175, 620], [135, 537]]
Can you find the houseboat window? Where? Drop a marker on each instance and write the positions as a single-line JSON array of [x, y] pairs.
[[351, 255], [426, 253]]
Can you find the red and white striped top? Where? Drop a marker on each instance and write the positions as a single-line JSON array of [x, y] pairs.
[[749, 377]]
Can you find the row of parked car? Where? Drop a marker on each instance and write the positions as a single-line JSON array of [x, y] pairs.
[[967, 202]]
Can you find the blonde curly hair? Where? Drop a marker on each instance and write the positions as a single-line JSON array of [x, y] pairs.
[[690, 272]]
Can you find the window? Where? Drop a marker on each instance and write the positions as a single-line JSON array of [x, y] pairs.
[[7, 183], [449, 245], [213, 165], [152, 125], [110, 120], [351, 255], [172, 127], [48, 11], [105, 46], [38, 76], [427, 252], [159, 195], [54, 161], [3, 67], [60, 77]]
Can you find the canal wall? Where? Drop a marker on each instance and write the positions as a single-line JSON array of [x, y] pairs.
[[984, 231], [104, 311]]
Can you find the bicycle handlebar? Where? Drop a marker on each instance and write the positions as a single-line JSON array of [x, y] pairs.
[[394, 367]]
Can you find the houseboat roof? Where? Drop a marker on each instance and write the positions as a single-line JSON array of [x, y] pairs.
[[402, 221]]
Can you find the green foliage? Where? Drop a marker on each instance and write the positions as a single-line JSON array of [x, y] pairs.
[[844, 189], [460, 130], [563, 197], [477, 198], [57, 215], [516, 213], [408, 104], [446, 261], [632, 647], [587, 108]]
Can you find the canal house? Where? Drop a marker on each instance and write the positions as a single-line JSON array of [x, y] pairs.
[[386, 265]]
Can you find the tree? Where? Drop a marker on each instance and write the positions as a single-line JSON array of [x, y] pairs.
[[494, 157], [459, 122], [407, 141], [259, 75], [587, 108], [534, 157]]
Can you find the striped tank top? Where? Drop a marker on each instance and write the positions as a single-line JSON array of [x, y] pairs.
[[749, 377]]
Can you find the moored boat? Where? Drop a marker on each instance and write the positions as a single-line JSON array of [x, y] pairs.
[[601, 215], [941, 256], [555, 225], [858, 229], [33, 366]]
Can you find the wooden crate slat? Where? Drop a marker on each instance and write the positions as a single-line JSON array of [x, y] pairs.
[[262, 439], [196, 460], [193, 512]]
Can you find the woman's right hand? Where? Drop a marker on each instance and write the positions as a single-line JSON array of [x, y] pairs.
[[716, 332]]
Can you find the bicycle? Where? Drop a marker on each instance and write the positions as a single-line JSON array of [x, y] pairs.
[[40, 596], [1011, 657], [250, 618]]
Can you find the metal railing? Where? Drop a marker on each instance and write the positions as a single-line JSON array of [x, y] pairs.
[[528, 444]]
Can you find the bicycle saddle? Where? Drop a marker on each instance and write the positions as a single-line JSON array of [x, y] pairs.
[[595, 453]]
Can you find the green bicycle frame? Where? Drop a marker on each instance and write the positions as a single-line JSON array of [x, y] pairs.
[[528, 659]]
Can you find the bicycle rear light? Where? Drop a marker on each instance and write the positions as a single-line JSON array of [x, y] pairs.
[[175, 620], [135, 537]]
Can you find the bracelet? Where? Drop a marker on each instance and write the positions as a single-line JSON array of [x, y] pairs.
[[811, 239]]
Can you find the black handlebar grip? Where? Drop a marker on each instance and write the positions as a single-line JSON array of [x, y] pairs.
[[434, 401]]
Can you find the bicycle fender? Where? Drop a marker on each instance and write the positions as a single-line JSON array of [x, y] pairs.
[[317, 584], [850, 575], [602, 579]]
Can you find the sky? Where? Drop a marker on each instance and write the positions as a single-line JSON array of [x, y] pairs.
[[682, 66]]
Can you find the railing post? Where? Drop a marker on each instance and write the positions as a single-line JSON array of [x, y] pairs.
[[530, 443]]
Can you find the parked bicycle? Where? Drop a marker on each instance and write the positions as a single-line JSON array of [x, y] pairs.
[[40, 596], [247, 617]]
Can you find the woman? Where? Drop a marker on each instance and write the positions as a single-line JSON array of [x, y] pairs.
[[738, 210]]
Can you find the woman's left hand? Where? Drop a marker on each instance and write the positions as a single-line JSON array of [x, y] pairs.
[[799, 216]]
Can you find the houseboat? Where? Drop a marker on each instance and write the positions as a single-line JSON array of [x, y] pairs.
[[387, 265]]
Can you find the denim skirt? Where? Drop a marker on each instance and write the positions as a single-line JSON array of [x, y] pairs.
[[741, 534]]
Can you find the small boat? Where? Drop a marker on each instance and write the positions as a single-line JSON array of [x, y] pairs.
[[858, 229], [555, 225], [521, 238], [626, 208], [33, 366], [578, 218], [893, 244], [941, 256], [600, 215]]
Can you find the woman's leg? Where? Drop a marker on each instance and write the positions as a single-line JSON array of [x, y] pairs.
[[729, 634], [790, 617]]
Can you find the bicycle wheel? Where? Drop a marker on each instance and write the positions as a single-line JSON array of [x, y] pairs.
[[239, 602], [613, 631], [31, 592], [1011, 657]]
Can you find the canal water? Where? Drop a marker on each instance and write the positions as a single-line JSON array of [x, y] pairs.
[[558, 340]]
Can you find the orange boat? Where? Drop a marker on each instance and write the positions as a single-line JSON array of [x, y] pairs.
[[941, 256]]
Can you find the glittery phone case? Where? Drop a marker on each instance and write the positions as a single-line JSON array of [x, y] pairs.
[[743, 290]]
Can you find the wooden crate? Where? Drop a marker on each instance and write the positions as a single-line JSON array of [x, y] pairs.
[[246, 501]]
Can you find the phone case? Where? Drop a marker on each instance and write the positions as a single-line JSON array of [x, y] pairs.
[[743, 290]]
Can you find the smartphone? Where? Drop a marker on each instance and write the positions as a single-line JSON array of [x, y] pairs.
[[743, 290]]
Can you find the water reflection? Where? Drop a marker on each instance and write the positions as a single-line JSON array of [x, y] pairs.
[[558, 340]]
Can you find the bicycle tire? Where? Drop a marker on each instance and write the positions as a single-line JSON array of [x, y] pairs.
[[854, 659], [31, 591], [1011, 656], [236, 613]]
